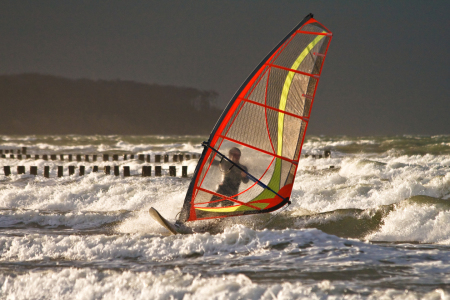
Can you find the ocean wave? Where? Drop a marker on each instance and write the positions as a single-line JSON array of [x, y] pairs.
[[173, 284], [20, 218], [237, 239]]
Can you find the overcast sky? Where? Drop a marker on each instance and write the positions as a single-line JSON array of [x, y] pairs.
[[387, 69]]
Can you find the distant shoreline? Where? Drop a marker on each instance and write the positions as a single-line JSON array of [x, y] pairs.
[[35, 104]]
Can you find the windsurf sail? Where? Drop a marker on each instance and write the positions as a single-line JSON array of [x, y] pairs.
[[266, 120]]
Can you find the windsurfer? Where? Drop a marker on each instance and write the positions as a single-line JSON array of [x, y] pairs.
[[231, 179]]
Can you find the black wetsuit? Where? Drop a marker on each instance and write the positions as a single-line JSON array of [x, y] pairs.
[[231, 180]]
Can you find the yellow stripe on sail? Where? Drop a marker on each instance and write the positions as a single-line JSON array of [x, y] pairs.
[[287, 86]]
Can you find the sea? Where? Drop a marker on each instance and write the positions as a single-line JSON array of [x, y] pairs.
[[370, 222]]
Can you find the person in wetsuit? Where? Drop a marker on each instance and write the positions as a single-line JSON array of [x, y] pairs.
[[231, 179]]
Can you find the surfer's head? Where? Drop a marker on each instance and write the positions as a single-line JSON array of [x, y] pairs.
[[234, 154]]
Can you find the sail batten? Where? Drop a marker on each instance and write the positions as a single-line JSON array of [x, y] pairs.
[[261, 132], [293, 70], [277, 110]]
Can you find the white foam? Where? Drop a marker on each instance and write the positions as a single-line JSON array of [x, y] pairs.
[[367, 183], [321, 250], [75, 220], [415, 222], [93, 192], [74, 283]]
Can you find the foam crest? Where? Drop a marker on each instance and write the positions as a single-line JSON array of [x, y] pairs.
[[416, 222], [173, 284], [75, 220], [93, 192], [237, 239], [367, 183]]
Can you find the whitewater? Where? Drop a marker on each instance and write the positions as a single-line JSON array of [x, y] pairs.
[[371, 222]]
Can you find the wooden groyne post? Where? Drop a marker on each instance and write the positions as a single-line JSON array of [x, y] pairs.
[[33, 170], [172, 171], [126, 171], [7, 170], [46, 171], [158, 171], [20, 170]]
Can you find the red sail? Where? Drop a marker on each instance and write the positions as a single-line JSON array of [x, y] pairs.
[[267, 121]]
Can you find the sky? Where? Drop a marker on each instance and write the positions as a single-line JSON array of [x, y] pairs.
[[386, 72]]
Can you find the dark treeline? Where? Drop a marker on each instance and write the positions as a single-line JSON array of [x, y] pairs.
[[44, 104]]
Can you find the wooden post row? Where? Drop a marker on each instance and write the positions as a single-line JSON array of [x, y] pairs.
[[146, 170], [78, 157]]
